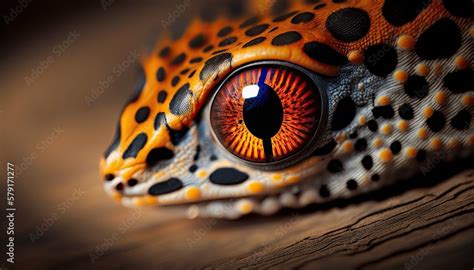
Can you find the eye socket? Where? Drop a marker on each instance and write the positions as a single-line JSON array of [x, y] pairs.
[[269, 113]]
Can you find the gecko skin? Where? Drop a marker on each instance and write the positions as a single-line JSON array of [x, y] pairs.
[[397, 86]]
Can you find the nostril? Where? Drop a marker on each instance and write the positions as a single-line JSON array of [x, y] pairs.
[[109, 177], [119, 187], [132, 182]]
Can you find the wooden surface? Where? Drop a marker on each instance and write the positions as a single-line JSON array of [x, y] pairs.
[[65, 221]]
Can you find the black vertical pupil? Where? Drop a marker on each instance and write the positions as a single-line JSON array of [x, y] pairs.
[[263, 116]]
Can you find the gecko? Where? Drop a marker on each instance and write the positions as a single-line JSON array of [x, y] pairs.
[[318, 101]]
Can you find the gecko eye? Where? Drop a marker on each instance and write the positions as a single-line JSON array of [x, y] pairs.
[[269, 114]]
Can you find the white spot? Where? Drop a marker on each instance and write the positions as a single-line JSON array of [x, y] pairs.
[[250, 91]]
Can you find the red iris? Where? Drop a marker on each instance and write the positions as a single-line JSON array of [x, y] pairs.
[[266, 113]]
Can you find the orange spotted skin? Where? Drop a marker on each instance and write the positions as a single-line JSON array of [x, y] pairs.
[[181, 75]]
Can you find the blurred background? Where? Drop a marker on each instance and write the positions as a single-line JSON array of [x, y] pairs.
[[66, 69]]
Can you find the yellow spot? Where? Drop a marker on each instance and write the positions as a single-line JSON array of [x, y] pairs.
[[410, 152], [461, 62], [402, 125], [245, 206], [192, 193], [467, 100], [347, 147], [377, 142], [436, 143], [150, 200], [383, 100], [138, 202], [454, 143], [385, 155], [422, 133], [440, 97], [255, 187], [277, 177], [362, 120], [292, 179], [201, 173], [406, 42], [386, 129], [400, 76], [356, 57], [341, 137], [427, 112], [422, 69]]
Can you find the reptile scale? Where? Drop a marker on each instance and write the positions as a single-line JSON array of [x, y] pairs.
[[319, 101]]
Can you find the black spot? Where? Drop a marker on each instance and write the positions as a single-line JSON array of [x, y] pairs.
[[319, 6], [284, 17], [344, 114], [142, 114], [184, 71], [396, 147], [421, 155], [400, 12], [109, 177], [197, 42], [406, 112], [372, 125], [254, 41], [286, 38], [137, 144], [353, 135], [181, 103], [115, 142], [165, 52], [227, 41], [367, 162], [160, 119], [132, 182], [119, 187], [249, 22], [162, 96], [348, 24], [302, 18], [441, 40], [224, 31], [192, 73], [158, 154], [326, 149], [193, 168], [161, 74], [213, 158], [324, 191], [165, 187], [195, 60], [360, 145], [177, 135], [375, 177], [460, 8], [460, 81], [198, 152], [416, 87], [351, 184], [179, 59], [383, 111], [213, 65], [175, 81], [208, 48], [227, 176], [273, 29], [462, 120], [381, 59], [436, 122], [324, 53], [256, 30], [335, 166]]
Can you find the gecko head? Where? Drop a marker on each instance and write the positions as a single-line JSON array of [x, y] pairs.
[[311, 102]]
